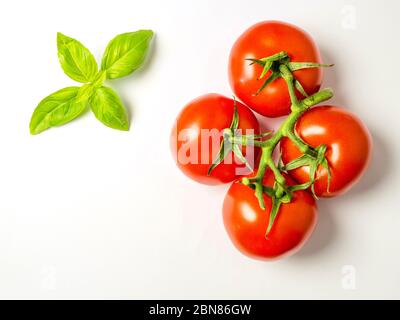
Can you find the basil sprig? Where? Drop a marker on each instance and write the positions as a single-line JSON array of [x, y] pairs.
[[124, 55]]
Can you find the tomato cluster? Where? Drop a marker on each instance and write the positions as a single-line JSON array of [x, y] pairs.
[[270, 211]]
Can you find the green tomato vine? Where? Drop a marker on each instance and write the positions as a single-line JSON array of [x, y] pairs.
[[281, 67]]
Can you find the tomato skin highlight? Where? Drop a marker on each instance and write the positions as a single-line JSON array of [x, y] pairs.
[[262, 40], [246, 223], [211, 111], [349, 148]]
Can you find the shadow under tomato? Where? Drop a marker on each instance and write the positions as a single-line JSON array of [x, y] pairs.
[[378, 170], [324, 233], [380, 164], [375, 175]]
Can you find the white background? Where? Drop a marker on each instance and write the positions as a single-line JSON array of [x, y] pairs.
[[88, 212]]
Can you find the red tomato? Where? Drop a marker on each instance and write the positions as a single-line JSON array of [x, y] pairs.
[[262, 40], [348, 144], [246, 223], [194, 146]]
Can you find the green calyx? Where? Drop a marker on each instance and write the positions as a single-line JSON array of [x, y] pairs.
[[313, 158], [274, 64], [280, 193], [279, 66], [232, 141]]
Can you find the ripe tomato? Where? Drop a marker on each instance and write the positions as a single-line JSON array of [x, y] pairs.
[[348, 144], [262, 40], [196, 138], [246, 223]]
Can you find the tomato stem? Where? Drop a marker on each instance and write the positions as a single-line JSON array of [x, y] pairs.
[[281, 192], [287, 129], [287, 75], [279, 65]]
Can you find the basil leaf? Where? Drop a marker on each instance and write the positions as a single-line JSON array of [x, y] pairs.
[[57, 109], [76, 60], [126, 53], [108, 109]]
